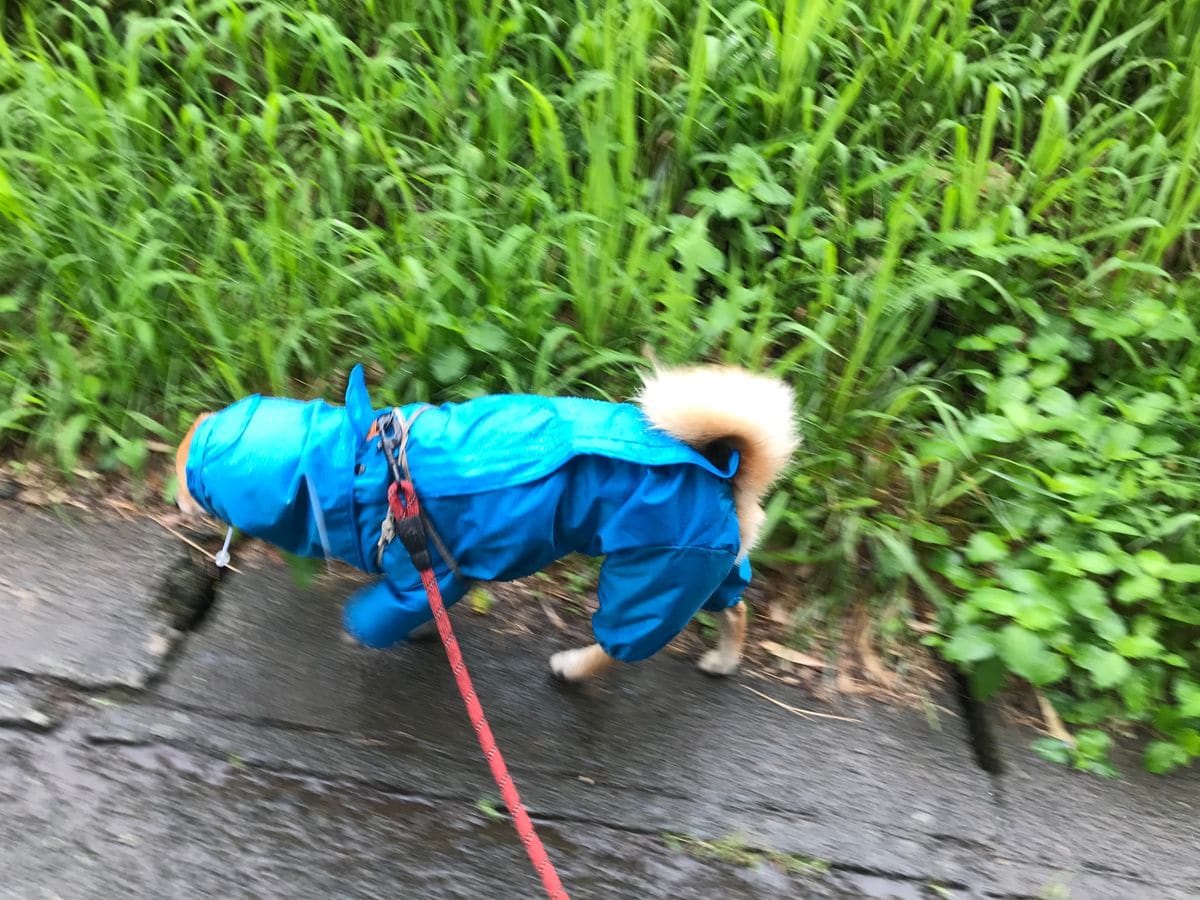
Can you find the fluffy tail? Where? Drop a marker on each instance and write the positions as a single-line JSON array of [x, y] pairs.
[[753, 413]]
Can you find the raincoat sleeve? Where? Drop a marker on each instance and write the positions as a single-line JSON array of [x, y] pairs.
[[648, 595], [382, 614], [730, 591]]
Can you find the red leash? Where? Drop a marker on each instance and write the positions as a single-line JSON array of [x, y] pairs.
[[407, 514]]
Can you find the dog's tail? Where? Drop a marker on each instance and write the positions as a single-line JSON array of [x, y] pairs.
[[753, 413]]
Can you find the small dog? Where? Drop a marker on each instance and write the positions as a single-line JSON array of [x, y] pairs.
[[668, 490]]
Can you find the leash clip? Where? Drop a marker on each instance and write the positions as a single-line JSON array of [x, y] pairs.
[[406, 514]]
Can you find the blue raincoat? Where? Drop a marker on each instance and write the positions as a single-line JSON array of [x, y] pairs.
[[510, 483]]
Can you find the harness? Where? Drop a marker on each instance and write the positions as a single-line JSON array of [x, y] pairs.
[[405, 521]]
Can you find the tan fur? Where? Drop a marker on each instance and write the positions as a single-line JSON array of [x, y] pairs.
[[183, 497], [731, 636], [581, 663], [754, 413], [587, 662]]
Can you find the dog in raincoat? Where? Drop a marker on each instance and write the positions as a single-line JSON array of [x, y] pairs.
[[667, 489]]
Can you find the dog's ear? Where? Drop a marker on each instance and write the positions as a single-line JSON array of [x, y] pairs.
[[183, 496], [358, 402]]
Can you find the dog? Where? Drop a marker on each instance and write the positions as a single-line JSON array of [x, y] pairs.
[[667, 488]]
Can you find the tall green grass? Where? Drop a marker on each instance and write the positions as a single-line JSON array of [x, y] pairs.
[[896, 205]]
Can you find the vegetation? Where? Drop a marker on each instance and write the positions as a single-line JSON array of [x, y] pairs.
[[965, 231]]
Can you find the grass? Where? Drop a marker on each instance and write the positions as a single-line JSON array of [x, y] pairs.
[[892, 204], [734, 851]]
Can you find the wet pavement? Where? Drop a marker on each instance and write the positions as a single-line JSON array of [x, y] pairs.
[[256, 753]]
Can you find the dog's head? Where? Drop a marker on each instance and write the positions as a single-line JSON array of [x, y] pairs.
[[279, 469], [183, 497], [276, 469]]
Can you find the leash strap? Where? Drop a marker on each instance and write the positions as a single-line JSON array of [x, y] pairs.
[[397, 448], [405, 510]]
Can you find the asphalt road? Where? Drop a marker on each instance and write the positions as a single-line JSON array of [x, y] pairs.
[[258, 754]]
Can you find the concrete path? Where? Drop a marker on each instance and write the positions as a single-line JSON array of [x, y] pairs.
[[149, 750]]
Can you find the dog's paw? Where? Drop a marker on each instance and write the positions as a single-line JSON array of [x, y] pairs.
[[714, 662], [567, 664]]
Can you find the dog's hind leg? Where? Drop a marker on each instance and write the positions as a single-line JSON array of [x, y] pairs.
[[731, 635], [581, 663]]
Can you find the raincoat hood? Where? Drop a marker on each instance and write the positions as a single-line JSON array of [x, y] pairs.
[[280, 470]]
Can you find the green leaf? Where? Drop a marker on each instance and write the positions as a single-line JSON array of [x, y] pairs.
[[928, 533], [1138, 587], [1119, 441], [490, 808], [1159, 445], [1163, 756], [1040, 614], [449, 365], [986, 547], [1187, 692], [1056, 402], [1108, 668], [1110, 626], [1009, 390], [995, 600], [868, 229], [1176, 523], [1149, 408], [1187, 573], [1048, 374], [970, 644], [1073, 485], [1053, 750], [486, 337], [693, 248], [1149, 310], [67, 438], [1027, 656], [1087, 598], [1174, 327], [993, 428], [1014, 363], [149, 424], [1020, 415], [133, 454], [1095, 562], [1113, 526], [1092, 743], [1189, 740], [1152, 563], [480, 601], [1138, 646], [1048, 345], [976, 342], [1023, 581], [771, 193], [1005, 334], [732, 203], [1135, 694]]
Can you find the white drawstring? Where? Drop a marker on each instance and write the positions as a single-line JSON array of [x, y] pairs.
[[222, 557], [319, 515]]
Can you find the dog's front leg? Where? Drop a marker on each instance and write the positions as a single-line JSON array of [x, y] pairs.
[[581, 663], [731, 635]]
